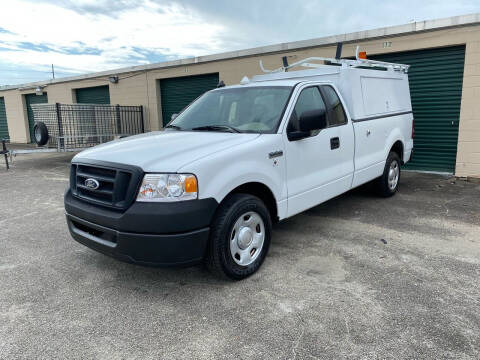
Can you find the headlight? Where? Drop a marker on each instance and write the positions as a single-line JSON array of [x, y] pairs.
[[168, 187]]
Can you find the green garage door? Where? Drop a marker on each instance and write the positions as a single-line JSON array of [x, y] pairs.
[[3, 121], [93, 95], [436, 77], [177, 93], [31, 99]]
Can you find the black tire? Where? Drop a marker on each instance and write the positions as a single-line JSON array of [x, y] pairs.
[[219, 259], [382, 184], [40, 133]]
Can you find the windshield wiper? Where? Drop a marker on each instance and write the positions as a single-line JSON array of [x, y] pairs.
[[176, 127], [217, 127]]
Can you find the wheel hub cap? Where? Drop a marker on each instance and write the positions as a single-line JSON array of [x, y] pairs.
[[247, 238], [393, 175]]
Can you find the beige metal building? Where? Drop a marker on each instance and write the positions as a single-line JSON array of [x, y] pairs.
[[444, 56]]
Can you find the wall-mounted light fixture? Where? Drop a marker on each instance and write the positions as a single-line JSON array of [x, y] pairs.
[[113, 79], [38, 91]]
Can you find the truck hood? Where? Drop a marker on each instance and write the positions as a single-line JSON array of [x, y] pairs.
[[164, 151]]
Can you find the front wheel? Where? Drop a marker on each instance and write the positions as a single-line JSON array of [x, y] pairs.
[[387, 184], [240, 237]]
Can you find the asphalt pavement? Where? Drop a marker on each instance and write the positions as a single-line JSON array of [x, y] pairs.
[[356, 277]]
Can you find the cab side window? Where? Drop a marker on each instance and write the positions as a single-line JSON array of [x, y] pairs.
[[308, 100], [336, 114]]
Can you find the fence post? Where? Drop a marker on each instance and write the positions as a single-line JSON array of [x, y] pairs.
[[119, 122], [60, 125], [141, 119], [5, 152]]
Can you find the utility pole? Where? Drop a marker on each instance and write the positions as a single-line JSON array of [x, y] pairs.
[[53, 72]]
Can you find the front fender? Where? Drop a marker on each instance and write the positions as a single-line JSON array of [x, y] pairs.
[[222, 172], [223, 184]]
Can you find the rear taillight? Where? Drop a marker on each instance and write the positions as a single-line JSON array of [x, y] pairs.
[[413, 128]]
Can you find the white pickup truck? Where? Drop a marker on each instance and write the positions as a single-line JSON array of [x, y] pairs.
[[240, 158]]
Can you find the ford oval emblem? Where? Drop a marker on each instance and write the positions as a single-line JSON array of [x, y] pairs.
[[92, 184]]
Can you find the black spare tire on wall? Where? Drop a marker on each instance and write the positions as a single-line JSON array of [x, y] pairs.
[[40, 133]]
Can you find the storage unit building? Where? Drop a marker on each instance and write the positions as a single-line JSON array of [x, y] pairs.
[[444, 55], [177, 93], [3, 121], [31, 99], [93, 95], [436, 79]]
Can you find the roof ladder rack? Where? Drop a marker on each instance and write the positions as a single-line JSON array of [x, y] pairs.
[[363, 63]]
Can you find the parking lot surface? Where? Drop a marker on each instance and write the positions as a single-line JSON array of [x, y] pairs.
[[356, 277]]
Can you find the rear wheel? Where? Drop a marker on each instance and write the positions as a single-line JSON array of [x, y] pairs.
[[240, 237], [387, 184]]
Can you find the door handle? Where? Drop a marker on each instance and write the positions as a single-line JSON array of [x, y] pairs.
[[334, 143]]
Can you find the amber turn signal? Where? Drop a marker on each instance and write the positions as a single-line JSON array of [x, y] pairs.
[[191, 184]]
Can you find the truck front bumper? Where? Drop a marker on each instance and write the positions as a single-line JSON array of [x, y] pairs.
[[153, 234]]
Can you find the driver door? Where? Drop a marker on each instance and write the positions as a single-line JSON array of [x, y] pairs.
[[319, 166]]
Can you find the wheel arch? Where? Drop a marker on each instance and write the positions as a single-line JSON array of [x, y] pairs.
[[398, 148], [263, 192]]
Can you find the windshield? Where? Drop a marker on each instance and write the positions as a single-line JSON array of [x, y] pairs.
[[249, 109]]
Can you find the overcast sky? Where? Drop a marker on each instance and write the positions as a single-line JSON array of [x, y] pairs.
[[80, 36]]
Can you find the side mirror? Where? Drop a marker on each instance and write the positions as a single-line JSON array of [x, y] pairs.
[[313, 120], [173, 117], [308, 122]]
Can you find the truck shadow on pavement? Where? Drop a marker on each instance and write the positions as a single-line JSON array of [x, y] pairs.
[[199, 274], [420, 196]]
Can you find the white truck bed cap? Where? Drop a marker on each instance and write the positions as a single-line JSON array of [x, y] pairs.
[[370, 88]]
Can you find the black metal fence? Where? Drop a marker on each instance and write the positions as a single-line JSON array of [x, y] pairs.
[[76, 126]]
